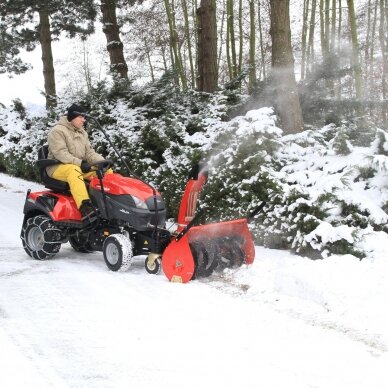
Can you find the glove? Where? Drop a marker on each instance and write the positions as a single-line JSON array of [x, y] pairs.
[[85, 166], [107, 163]]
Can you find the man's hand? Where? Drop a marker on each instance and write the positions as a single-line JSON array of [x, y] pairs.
[[85, 166]]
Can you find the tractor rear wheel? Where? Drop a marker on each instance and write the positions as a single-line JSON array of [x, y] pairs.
[[117, 252], [40, 238], [80, 243]]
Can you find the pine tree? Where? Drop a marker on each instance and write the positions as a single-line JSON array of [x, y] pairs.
[[9, 51], [38, 22]]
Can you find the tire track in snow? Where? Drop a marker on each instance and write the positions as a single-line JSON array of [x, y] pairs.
[[3, 314], [32, 356], [373, 341], [6, 249], [227, 284]]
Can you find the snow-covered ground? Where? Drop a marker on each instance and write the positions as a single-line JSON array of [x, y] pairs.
[[285, 321]]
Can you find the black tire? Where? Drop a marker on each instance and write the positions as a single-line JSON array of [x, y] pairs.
[[153, 267], [40, 238], [117, 252], [80, 242]]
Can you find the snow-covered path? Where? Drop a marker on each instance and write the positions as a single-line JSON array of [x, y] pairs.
[[283, 322]]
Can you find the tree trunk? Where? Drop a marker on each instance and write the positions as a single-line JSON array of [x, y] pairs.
[[338, 90], [163, 51], [327, 25], [372, 40], [262, 52], [339, 25], [240, 29], [333, 24], [188, 40], [194, 7], [385, 5], [371, 24], [287, 100], [368, 31], [304, 37], [86, 68], [174, 45], [384, 53], [322, 28], [329, 81], [356, 52], [310, 49], [148, 53], [114, 46], [252, 46], [47, 59], [182, 70], [207, 46], [220, 38], [231, 37], [227, 43]]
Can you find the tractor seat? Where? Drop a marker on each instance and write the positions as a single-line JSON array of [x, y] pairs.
[[50, 183]]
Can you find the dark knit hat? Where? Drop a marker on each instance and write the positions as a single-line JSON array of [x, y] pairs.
[[75, 108]]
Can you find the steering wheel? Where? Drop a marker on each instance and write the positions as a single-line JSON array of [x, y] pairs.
[[102, 165]]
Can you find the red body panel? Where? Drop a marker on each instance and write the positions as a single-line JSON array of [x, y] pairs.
[[178, 262], [120, 185], [64, 210], [116, 184]]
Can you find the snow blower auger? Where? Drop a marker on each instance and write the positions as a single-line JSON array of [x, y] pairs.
[[130, 221], [197, 251]]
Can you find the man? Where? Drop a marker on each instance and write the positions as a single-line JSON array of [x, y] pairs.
[[69, 143]]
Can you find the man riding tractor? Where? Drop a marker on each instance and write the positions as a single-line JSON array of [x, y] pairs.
[[68, 142]]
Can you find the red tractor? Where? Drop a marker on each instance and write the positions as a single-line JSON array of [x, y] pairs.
[[130, 221]]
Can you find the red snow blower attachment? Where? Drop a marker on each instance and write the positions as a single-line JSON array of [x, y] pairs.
[[197, 251]]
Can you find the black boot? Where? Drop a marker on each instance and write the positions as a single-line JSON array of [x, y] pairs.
[[87, 209]]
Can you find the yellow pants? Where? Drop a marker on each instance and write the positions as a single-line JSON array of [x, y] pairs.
[[73, 175]]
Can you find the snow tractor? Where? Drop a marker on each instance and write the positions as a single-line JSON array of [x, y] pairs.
[[130, 220]]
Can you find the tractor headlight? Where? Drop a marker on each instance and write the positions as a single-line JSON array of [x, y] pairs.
[[139, 203]]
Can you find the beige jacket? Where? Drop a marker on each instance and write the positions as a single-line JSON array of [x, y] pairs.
[[69, 144]]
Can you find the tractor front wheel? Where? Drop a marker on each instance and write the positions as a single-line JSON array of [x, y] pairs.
[[152, 265], [117, 252]]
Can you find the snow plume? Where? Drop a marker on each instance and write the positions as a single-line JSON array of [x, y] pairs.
[[240, 155], [255, 128]]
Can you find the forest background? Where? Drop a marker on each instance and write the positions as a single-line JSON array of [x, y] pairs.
[[181, 71]]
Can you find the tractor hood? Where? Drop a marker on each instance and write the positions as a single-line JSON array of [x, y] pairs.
[[116, 184], [129, 200]]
